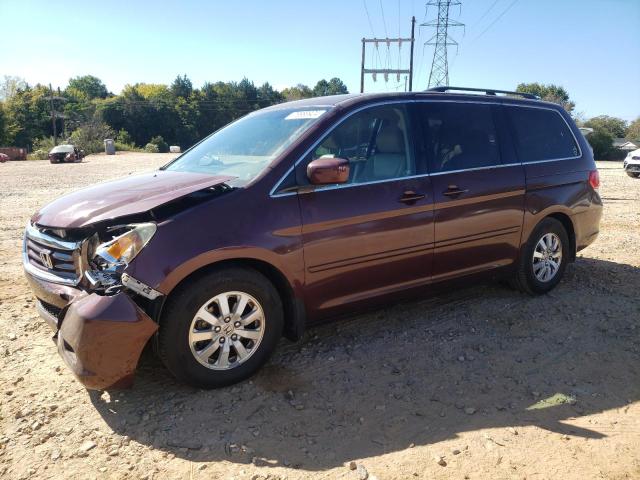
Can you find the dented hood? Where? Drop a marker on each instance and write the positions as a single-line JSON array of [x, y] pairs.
[[126, 196]]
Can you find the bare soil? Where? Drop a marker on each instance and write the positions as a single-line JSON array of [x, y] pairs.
[[477, 383]]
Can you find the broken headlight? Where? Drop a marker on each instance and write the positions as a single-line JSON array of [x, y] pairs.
[[122, 249], [107, 260]]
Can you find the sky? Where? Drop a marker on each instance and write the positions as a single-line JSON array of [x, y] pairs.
[[590, 47]]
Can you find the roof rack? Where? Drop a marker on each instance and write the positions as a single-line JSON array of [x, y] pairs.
[[486, 91]]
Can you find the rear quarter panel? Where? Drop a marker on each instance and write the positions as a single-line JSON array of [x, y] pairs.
[[562, 186]]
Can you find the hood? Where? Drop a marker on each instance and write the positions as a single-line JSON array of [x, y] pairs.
[[126, 196]]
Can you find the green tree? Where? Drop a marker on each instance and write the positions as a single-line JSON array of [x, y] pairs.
[[633, 131], [267, 95], [87, 87], [548, 93], [335, 86], [3, 126], [159, 142], [10, 85], [123, 137], [601, 142], [616, 127], [182, 86], [179, 113], [27, 116], [298, 92], [90, 136]]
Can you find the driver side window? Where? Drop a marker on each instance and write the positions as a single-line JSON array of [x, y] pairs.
[[375, 142]]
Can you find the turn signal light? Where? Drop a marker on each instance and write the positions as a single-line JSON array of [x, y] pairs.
[[594, 179]]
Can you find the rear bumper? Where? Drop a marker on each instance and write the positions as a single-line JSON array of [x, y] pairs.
[[100, 338], [587, 223]]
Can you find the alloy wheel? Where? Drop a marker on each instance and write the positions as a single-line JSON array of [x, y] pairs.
[[227, 330], [547, 257]]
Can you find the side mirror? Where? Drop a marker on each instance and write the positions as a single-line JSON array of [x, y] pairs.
[[328, 171]]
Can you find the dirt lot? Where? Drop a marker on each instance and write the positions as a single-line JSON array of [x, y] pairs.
[[478, 383]]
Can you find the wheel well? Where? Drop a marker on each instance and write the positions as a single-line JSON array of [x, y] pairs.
[[566, 222], [294, 317]]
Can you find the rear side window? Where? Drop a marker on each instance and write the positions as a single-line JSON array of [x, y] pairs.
[[541, 134], [458, 136]]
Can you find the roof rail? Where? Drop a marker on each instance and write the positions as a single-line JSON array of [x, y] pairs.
[[487, 91]]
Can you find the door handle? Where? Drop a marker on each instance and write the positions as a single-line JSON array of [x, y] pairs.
[[410, 197], [454, 191]]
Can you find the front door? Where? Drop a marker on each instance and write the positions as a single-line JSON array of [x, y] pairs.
[[478, 188], [374, 235]]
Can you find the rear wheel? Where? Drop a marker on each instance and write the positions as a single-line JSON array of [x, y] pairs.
[[221, 328], [544, 258], [633, 174]]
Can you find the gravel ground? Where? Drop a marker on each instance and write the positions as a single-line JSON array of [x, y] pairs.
[[478, 383]]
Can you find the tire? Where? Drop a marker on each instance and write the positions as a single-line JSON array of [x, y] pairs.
[[530, 279], [633, 174], [194, 312]]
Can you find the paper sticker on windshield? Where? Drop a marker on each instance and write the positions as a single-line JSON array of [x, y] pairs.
[[304, 114]]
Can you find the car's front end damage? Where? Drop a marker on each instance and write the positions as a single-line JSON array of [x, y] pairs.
[[101, 316], [78, 255]]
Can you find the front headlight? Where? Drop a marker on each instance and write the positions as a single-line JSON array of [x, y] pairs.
[[122, 249]]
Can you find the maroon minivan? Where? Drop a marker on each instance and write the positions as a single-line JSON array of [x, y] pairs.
[[304, 211]]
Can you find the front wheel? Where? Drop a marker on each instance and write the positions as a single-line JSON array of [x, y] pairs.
[[221, 328], [544, 258], [633, 174]]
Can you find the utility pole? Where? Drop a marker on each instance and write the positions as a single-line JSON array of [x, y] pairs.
[[387, 71], [54, 115], [441, 40], [413, 29]]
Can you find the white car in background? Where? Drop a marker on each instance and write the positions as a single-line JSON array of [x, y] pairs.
[[631, 164]]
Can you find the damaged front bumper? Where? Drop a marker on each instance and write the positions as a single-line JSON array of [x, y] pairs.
[[100, 337]]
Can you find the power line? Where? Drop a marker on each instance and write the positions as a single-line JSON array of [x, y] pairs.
[[373, 33], [384, 21], [504, 12], [364, 2], [486, 12]]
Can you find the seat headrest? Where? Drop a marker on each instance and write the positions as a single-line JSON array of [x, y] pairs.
[[390, 140]]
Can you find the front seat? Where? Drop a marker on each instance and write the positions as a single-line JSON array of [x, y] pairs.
[[390, 158]]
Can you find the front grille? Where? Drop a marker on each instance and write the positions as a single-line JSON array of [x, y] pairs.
[[51, 309], [51, 258]]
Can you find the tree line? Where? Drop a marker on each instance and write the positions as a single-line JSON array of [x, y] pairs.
[[154, 116], [176, 114]]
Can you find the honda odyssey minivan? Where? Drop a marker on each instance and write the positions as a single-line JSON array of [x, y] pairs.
[[305, 211]]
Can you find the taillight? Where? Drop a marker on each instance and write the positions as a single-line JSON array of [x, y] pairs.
[[594, 179]]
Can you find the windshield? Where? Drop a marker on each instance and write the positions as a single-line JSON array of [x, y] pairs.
[[62, 149], [244, 148]]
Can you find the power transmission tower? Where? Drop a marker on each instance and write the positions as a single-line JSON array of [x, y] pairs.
[[441, 40], [388, 71]]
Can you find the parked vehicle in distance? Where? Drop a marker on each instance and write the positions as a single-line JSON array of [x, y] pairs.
[[66, 154], [4, 158], [14, 153], [304, 211], [631, 164]]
